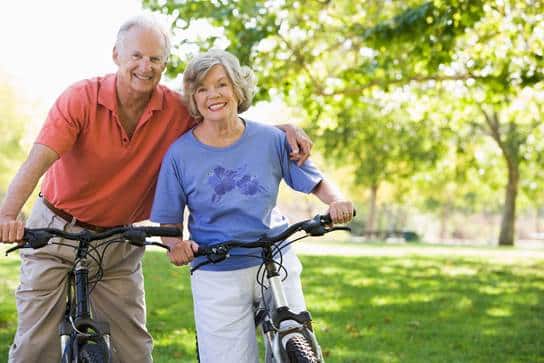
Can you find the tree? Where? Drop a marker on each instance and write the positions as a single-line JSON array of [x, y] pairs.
[[492, 79], [503, 77], [382, 143]]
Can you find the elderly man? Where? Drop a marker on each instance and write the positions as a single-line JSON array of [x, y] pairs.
[[101, 146]]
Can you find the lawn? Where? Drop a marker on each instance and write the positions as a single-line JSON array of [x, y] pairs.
[[377, 307]]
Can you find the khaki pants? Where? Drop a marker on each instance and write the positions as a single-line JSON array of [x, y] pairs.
[[41, 297]]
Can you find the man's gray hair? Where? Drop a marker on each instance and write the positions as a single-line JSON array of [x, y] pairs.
[[146, 22], [242, 78]]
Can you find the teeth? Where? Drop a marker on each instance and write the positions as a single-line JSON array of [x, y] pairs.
[[143, 77], [216, 106]]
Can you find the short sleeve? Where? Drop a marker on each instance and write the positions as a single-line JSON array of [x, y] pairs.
[[302, 178], [170, 198], [64, 120]]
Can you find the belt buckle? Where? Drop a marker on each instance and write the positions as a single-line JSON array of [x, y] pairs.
[[73, 222]]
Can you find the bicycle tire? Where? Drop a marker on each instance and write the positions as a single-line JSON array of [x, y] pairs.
[[299, 350], [94, 353]]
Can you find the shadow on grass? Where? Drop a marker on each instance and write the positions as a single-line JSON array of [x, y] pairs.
[[426, 309]]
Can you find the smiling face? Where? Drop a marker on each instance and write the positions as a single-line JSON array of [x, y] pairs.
[[141, 58], [215, 98]]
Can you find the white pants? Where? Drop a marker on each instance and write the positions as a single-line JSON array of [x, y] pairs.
[[224, 305]]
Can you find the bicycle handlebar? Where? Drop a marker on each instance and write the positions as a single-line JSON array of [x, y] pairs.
[[317, 226], [39, 237]]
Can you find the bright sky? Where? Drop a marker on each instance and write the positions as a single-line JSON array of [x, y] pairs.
[[47, 45]]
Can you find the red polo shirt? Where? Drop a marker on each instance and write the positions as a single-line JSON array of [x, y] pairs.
[[102, 177]]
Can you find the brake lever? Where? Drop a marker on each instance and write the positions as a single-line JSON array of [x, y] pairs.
[[316, 226], [15, 248], [33, 239], [339, 228], [200, 265], [213, 255], [217, 257]]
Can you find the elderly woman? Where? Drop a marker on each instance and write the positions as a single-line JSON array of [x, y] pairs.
[[227, 172]]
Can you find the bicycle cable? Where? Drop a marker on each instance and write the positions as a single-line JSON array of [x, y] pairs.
[[90, 254], [293, 241], [261, 276], [94, 254], [278, 250], [100, 269]]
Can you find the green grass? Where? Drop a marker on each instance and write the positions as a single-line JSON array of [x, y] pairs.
[[9, 272], [378, 308]]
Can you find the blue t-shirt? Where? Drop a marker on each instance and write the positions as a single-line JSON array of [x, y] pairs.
[[230, 192]]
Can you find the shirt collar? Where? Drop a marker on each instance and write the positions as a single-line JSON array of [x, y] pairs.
[[107, 95]]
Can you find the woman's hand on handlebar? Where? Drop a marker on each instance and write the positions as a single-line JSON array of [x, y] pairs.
[[181, 251], [341, 211], [11, 230]]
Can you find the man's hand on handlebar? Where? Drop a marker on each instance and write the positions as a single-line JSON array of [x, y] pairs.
[[11, 230], [181, 251]]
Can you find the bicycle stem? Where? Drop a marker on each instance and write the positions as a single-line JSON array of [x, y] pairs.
[[81, 282]]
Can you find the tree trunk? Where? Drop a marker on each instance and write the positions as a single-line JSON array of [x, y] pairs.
[[370, 225], [506, 236], [509, 140]]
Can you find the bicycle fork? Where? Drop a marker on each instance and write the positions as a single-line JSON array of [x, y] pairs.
[[278, 329]]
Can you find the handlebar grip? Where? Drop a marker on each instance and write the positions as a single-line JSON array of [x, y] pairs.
[[202, 251], [137, 236], [162, 231]]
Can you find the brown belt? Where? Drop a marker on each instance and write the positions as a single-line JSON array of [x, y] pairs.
[[71, 219]]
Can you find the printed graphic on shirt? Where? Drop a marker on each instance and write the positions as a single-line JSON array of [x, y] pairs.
[[224, 181]]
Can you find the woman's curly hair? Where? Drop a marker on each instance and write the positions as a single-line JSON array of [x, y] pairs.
[[242, 78]]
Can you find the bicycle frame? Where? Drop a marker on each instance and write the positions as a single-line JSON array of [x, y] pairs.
[[78, 327]]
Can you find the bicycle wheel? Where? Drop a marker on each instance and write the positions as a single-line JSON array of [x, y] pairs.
[[299, 350], [94, 353]]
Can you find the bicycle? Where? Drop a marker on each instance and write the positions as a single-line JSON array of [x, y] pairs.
[[82, 338], [294, 342]]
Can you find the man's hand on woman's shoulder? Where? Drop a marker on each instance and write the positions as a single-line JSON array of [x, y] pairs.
[[299, 142]]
